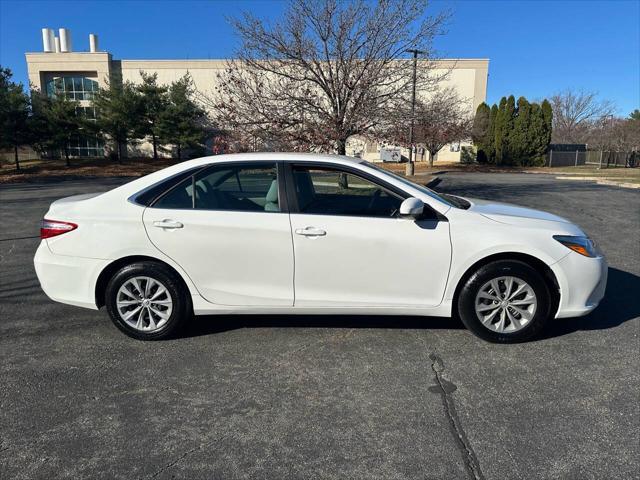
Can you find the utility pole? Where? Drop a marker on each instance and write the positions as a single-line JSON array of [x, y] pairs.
[[411, 166]]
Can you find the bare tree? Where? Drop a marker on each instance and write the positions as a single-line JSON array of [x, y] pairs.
[[630, 135], [441, 118], [615, 135], [326, 71], [576, 114]]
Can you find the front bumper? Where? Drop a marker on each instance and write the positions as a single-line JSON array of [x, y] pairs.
[[582, 282], [66, 279]]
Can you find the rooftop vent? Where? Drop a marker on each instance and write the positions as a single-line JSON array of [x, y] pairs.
[[65, 40], [93, 43], [48, 40]]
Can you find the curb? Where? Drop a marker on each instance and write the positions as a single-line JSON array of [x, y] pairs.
[[599, 181]]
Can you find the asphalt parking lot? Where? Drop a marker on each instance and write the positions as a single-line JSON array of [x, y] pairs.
[[323, 397]]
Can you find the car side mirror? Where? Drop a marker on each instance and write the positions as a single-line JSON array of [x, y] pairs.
[[411, 208]]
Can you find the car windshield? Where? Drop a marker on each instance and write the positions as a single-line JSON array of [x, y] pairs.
[[450, 200]]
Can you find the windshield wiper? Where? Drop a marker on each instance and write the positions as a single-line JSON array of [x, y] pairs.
[[456, 201]]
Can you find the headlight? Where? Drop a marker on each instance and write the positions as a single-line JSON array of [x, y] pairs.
[[582, 245]]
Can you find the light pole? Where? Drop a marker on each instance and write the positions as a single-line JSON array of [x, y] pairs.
[[410, 166]]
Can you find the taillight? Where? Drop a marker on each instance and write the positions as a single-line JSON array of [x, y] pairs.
[[53, 228]]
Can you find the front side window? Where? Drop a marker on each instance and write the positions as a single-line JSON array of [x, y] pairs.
[[328, 191], [417, 186], [247, 188]]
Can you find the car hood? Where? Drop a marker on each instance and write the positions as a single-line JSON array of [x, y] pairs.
[[511, 214]]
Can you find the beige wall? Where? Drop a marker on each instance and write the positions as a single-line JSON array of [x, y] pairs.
[[42, 65], [203, 72], [467, 76]]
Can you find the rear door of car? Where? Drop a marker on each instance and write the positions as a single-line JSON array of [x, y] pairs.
[[228, 227]]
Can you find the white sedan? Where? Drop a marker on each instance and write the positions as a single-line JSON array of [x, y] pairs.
[[274, 233]]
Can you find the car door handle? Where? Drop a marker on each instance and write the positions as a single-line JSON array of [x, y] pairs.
[[310, 232], [167, 224]]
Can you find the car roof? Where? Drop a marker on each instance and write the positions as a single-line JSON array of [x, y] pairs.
[[275, 156]]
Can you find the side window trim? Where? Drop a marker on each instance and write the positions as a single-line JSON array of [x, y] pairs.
[[203, 170], [292, 197], [170, 183], [193, 190], [283, 199]]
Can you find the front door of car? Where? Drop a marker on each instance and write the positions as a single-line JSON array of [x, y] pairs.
[[351, 247], [225, 227]]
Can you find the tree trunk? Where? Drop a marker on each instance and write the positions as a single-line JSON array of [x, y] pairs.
[[155, 147], [15, 151], [179, 152], [119, 152], [342, 146], [432, 157], [66, 154], [410, 169]]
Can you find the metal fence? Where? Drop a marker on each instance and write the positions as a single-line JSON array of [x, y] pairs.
[[599, 158], [7, 157]]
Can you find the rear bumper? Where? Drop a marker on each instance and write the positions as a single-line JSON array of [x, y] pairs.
[[65, 279], [582, 281]]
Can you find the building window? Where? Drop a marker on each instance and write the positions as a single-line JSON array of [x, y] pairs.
[[78, 88], [75, 88], [85, 146], [89, 113]]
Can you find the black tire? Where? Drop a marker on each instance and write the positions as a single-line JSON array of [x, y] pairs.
[[181, 310], [514, 268]]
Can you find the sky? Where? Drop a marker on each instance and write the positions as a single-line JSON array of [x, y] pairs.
[[536, 48]]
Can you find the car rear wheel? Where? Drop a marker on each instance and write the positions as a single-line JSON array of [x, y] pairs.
[[147, 301], [506, 301]]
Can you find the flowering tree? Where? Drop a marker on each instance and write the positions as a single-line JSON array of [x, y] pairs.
[[440, 119]]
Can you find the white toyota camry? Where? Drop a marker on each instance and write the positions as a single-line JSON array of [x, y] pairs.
[[311, 234]]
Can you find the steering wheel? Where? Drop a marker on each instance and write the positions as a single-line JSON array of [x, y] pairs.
[[374, 199]]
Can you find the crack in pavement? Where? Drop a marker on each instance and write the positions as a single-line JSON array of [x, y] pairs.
[[185, 455], [18, 238], [445, 388], [2, 256]]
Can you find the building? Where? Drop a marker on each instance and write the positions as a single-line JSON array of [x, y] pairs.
[[80, 73]]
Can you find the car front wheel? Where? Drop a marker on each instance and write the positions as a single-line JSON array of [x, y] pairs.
[[506, 301], [147, 301]]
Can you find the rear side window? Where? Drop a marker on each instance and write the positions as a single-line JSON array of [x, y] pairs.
[[149, 195], [178, 197], [247, 188]]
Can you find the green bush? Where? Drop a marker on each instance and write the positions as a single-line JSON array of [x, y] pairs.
[[468, 154], [512, 133]]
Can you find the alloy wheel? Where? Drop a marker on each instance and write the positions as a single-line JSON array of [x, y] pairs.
[[506, 304], [144, 303]]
